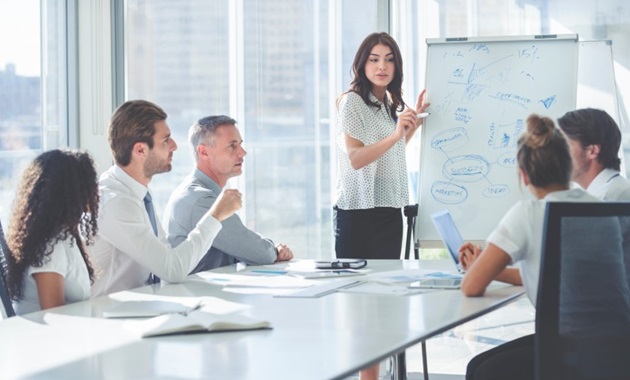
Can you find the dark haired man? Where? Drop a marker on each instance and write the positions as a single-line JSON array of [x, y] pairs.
[[594, 139]]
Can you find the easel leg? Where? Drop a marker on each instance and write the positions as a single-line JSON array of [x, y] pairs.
[[425, 365], [399, 367]]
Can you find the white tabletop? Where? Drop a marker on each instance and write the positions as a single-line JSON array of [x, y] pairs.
[[321, 338]]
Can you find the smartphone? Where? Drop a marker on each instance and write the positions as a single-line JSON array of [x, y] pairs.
[[341, 263]]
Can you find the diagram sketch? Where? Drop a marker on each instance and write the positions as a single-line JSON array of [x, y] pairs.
[[481, 93]]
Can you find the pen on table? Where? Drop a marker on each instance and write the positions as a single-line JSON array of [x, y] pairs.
[[422, 115], [194, 308]]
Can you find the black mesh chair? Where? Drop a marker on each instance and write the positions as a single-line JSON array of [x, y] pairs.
[[6, 308], [583, 305]]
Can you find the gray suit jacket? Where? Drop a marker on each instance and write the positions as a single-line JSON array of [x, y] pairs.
[[189, 202]]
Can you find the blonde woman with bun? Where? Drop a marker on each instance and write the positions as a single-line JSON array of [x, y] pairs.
[[513, 250]]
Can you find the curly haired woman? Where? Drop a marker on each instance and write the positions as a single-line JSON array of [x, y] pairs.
[[54, 217]]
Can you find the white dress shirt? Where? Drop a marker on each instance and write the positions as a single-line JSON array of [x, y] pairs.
[[126, 250], [609, 185]]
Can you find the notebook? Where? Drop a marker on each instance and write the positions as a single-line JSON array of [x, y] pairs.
[[194, 321]]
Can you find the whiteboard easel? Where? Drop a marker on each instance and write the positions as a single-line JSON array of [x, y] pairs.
[[482, 90]]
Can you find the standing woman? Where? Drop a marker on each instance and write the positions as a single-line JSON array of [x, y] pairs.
[[371, 138], [54, 213], [372, 168]]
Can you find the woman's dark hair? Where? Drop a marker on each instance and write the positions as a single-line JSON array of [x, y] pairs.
[[543, 153], [590, 126], [57, 198], [362, 85]]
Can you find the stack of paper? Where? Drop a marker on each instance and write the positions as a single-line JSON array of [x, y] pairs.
[[328, 273], [255, 281], [321, 289], [136, 309]]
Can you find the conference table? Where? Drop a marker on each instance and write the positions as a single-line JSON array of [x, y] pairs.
[[328, 337]]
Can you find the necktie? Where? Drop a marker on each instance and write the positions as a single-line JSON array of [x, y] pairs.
[[148, 204]]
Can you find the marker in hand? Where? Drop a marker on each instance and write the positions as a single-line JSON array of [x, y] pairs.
[[422, 115]]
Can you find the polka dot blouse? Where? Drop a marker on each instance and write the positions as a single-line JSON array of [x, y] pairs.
[[383, 183]]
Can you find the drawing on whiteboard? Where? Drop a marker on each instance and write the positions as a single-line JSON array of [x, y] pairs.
[[461, 114], [549, 101], [530, 53], [458, 170], [468, 82], [519, 100], [468, 168], [505, 136], [448, 193]]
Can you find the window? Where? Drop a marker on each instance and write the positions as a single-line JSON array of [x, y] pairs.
[[273, 65], [20, 104], [33, 99]]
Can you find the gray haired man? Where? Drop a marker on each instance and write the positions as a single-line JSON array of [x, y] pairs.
[[219, 156]]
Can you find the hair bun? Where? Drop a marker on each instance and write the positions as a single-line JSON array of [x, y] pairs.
[[540, 131]]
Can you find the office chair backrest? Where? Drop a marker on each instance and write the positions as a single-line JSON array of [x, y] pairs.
[[583, 305], [6, 308]]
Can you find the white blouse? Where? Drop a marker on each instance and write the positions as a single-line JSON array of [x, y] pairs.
[[65, 260], [383, 183], [520, 234]]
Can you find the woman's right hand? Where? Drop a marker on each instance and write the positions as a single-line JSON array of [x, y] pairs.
[[468, 254], [226, 204], [406, 122]]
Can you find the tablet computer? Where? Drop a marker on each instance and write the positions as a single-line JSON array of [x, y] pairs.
[[445, 226], [437, 283]]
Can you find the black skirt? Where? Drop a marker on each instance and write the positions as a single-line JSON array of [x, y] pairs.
[[374, 233]]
